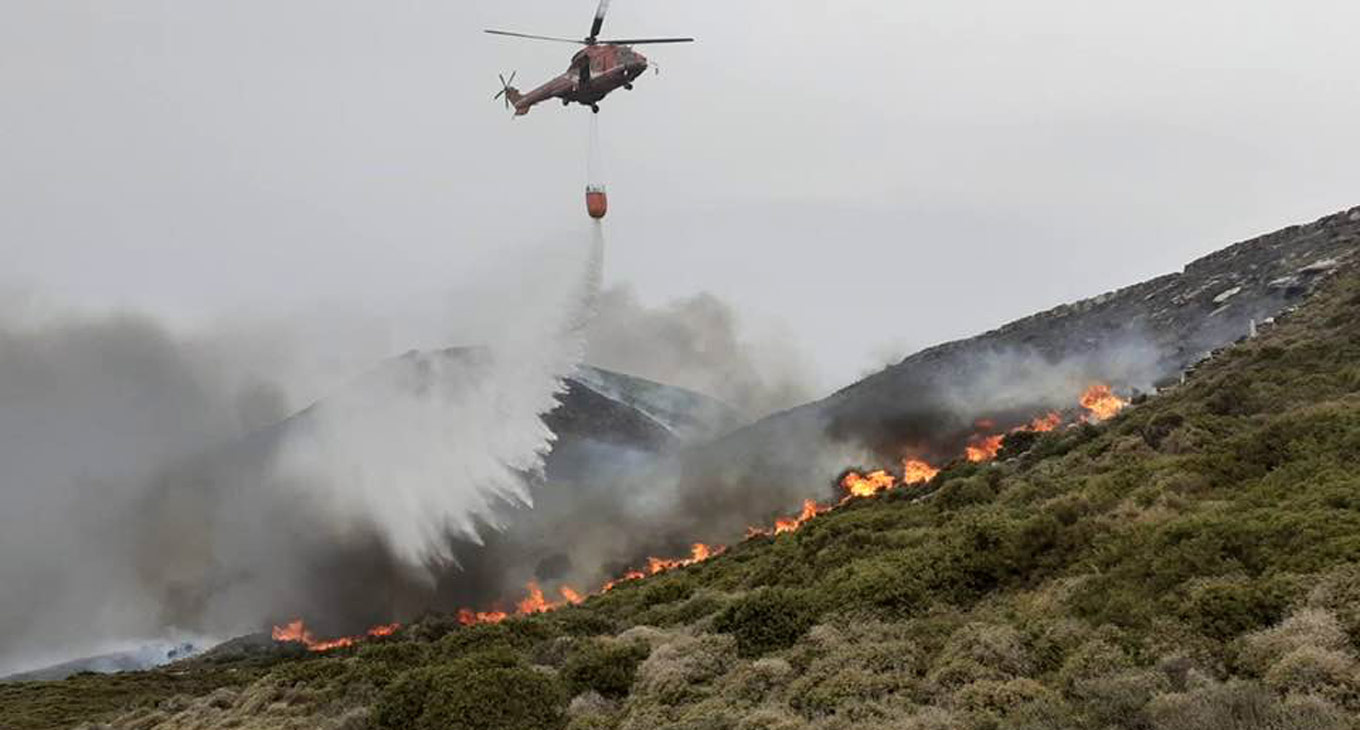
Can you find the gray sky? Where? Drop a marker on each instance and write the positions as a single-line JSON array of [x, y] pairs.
[[872, 177]]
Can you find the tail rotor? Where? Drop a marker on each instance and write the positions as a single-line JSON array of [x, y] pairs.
[[506, 89]]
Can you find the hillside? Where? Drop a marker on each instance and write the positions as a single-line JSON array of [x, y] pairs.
[[1191, 563], [925, 406]]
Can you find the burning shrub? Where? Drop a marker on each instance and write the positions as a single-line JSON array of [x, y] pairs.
[[766, 620], [489, 690], [607, 667]]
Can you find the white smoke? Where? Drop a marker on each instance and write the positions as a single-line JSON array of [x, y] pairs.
[[427, 446], [131, 506]]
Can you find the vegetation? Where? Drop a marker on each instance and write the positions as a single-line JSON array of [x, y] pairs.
[[1194, 563]]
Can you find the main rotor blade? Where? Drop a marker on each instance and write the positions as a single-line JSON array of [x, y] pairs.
[[599, 19], [573, 41], [644, 41]]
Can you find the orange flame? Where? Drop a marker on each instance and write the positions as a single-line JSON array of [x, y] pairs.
[[1044, 424], [915, 471], [1102, 402], [983, 448], [867, 485], [296, 631]]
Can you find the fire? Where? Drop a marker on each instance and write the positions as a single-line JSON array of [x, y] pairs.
[[915, 471], [1102, 402], [867, 485], [468, 617], [1044, 424], [629, 576], [983, 448], [296, 631], [698, 553], [535, 602]]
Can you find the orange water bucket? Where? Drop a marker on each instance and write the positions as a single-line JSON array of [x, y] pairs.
[[597, 202]]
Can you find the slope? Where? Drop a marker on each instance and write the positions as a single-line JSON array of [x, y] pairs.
[[1190, 564]]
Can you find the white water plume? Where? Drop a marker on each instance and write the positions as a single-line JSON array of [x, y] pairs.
[[426, 445]]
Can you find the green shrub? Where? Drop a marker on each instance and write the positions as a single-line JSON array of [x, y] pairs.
[[891, 584], [766, 620], [607, 667], [490, 690], [1223, 610]]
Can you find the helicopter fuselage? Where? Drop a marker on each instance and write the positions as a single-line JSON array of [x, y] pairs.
[[595, 72]]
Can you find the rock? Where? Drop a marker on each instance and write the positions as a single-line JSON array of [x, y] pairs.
[[1229, 294], [1319, 267]]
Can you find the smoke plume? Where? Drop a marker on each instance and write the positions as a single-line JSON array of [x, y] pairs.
[[141, 498], [698, 343]]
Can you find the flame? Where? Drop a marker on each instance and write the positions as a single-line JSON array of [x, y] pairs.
[[468, 617], [535, 602], [1099, 399], [983, 448], [915, 471], [296, 631], [1044, 424], [867, 485], [629, 576], [1102, 402], [698, 553]]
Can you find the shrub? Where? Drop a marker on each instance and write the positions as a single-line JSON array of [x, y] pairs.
[[1309, 627], [1224, 610], [1315, 671], [491, 690], [978, 652], [607, 667], [1161, 426], [766, 620], [1241, 706], [889, 583], [683, 669]]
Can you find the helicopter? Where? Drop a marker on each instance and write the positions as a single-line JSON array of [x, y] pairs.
[[595, 71]]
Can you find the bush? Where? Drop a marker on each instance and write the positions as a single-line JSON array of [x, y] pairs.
[[889, 584], [1241, 706], [1225, 610], [490, 690], [607, 667], [766, 620]]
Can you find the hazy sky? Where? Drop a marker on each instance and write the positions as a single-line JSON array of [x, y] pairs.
[[872, 177]]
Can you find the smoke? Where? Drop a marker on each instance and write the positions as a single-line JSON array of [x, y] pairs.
[[140, 497], [698, 343], [90, 409], [427, 446]]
